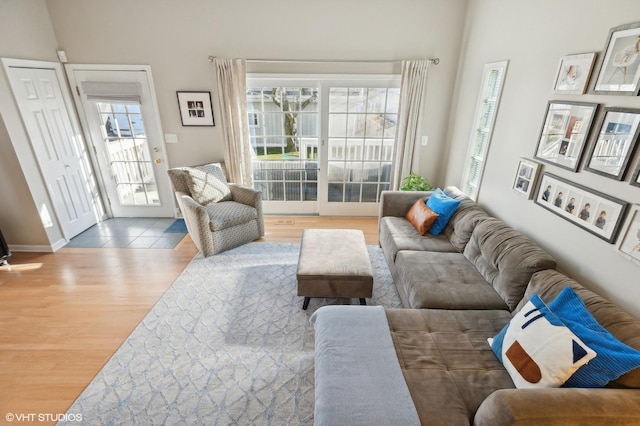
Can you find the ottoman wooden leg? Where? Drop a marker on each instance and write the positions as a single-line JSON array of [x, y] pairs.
[[305, 304], [363, 301]]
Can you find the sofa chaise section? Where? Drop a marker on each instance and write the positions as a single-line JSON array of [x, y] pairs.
[[446, 361], [454, 378]]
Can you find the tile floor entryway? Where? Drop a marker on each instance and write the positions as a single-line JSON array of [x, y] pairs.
[[129, 233]]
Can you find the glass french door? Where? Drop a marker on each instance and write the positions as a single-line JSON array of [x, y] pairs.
[[361, 137], [120, 114], [323, 146]]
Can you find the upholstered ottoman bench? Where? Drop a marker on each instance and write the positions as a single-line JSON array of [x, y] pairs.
[[334, 263]]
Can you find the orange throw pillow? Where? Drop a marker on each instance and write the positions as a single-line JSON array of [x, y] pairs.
[[421, 216]]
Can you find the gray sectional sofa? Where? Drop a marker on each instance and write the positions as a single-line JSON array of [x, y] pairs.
[[458, 289]]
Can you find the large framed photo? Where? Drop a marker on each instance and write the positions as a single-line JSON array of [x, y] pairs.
[[195, 108], [526, 176], [629, 243], [598, 213], [564, 133], [619, 71], [616, 141], [573, 73]]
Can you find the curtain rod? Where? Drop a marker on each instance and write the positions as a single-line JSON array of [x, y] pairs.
[[434, 61]]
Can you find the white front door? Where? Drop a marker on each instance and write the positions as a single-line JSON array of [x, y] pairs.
[[57, 144], [121, 117]]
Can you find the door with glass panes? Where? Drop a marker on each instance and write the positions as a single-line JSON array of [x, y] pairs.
[[322, 146], [121, 117]]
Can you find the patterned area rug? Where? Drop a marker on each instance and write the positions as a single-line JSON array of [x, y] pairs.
[[228, 343]]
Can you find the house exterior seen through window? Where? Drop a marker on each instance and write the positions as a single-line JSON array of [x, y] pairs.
[[349, 131]]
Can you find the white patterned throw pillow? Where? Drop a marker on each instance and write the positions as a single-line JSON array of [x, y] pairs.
[[207, 184], [537, 349]]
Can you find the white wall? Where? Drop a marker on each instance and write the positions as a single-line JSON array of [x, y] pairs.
[[533, 36], [176, 38], [25, 33]]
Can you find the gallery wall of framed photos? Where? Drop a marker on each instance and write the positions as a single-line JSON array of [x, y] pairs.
[[591, 137]]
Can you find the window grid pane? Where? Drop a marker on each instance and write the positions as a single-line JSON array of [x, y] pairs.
[[486, 110], [360, 153], [284, 132], [128, 154]]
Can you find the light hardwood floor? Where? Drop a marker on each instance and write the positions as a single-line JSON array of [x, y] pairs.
[[64, 314]]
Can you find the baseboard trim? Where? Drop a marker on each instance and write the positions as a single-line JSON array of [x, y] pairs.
[[59, 244], [32, 248]]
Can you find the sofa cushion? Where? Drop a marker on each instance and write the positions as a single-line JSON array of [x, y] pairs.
[[613, 359], [443, 281], [445, 206], [548, 284], [396, 233], [538, 349], [464, 220], [207, 184], [446, 361], [505, 258], [228, 214], [421, 217]]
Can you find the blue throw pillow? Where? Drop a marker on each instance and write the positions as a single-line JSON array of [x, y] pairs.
[[613, 358], [537, 349], [445, 206]]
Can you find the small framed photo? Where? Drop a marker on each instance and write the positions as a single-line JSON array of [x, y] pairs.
[[526, 177], [564, 133], [619, 72], [616, 141], [595, 212], [635, 180], [629, 243], [195, 108], [573, 73]]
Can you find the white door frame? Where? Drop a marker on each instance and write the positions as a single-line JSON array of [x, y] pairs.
[[37, 179], [70, 69]]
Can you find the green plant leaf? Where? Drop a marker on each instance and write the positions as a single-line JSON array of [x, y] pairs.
[[415, 182]]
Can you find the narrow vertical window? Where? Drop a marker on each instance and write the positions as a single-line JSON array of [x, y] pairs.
[[482, 129]]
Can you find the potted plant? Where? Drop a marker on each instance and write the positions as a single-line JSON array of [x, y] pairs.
[[415, 182]]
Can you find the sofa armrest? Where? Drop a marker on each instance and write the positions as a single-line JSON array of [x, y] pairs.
[[250, 197], [398, 203], [561, 406], [245, 195], [197, 220]]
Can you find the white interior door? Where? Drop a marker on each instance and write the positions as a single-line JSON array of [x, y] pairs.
[[121, 117], [57, 144]]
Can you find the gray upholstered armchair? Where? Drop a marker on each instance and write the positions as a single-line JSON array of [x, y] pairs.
[[219, 215]]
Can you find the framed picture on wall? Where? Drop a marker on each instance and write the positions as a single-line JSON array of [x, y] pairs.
[[619, 72], [615, 143], [597, 213], [573, 73], [629, 243], [195, 108], [564, 133], [635, 180], [526, 176]]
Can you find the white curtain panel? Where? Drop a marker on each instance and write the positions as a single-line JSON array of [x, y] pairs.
[[231, 75], [413, 87]]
